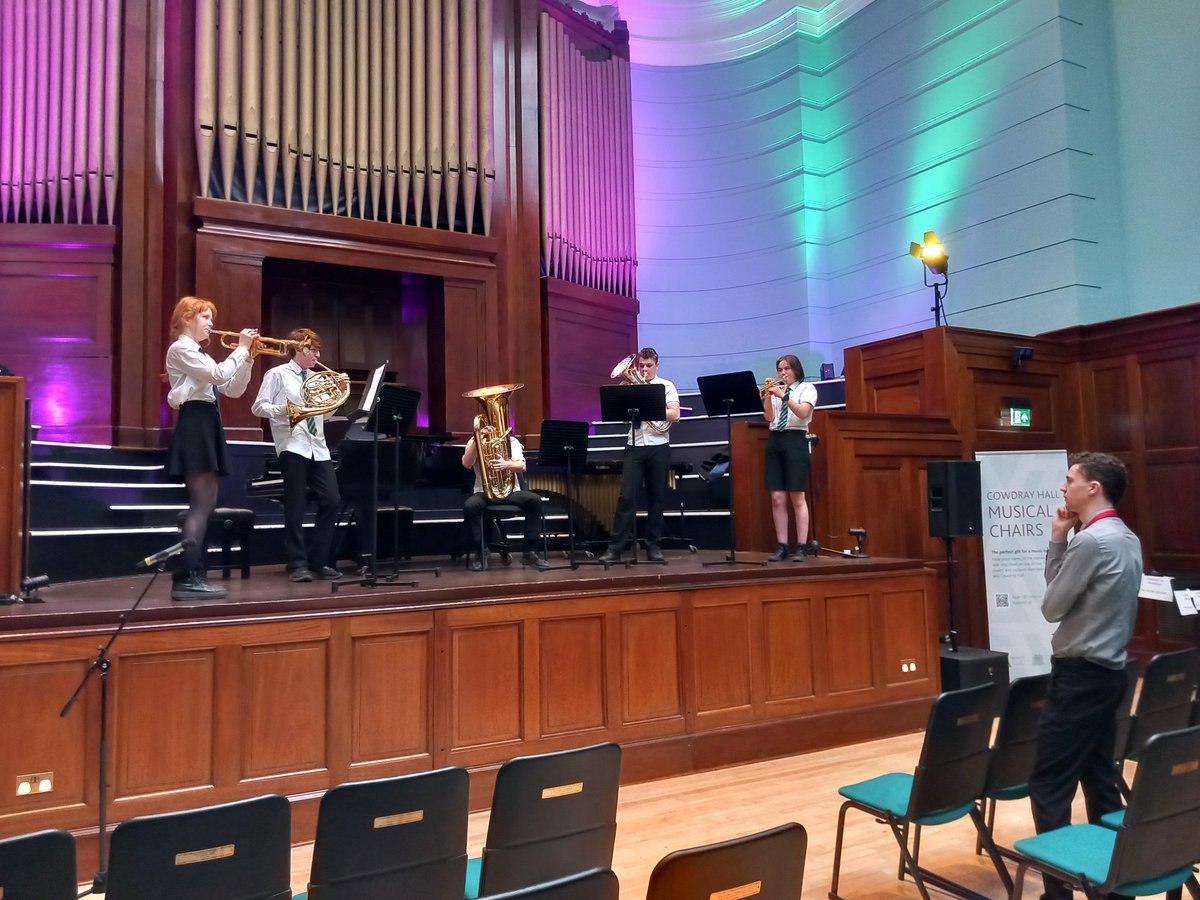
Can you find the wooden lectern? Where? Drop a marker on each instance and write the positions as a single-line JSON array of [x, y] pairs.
[[12, 461]]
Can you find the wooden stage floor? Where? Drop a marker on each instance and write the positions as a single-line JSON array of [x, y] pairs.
[[90, 605]]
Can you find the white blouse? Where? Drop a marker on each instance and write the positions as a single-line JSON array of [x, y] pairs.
[[192, 373]]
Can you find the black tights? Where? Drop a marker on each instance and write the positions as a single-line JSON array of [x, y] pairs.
[[202, 500]]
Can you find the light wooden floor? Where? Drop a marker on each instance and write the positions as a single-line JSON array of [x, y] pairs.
[[660, 816]]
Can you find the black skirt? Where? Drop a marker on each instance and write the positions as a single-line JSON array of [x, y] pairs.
[[198, 444]]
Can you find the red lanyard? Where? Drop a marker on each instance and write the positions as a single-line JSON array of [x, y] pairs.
[[1103, 514]]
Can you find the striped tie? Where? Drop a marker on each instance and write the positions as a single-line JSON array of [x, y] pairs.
[[782, 420]]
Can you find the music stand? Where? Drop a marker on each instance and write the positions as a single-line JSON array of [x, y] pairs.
[[733, 393], [564, 443], [391, 411], [633, 404]]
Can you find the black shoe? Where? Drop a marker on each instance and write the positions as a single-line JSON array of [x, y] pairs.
[[653, 554], [196, 587], [801, 553], [610, 556], [533, 560], [476, 563], [328, 573], [780, 554], [300, 574]]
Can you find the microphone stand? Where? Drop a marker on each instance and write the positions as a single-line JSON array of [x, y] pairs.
[[102, 664]]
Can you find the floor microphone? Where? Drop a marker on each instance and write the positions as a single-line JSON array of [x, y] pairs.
[[163, 555]]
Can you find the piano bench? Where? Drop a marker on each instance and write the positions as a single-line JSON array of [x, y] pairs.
[[230, 522]]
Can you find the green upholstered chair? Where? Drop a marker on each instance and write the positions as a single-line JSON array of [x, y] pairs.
[[1165, 701], [38, 866], [1154, 847], [1014, 749], [233, 851], [392, 837], [946, 785], [768, 865], [596, 884], [553, 815]]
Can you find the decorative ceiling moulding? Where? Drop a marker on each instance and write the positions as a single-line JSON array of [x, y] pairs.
[[678, 33]]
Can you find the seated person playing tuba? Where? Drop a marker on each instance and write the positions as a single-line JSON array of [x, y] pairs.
[[304, 459], [501, 454]]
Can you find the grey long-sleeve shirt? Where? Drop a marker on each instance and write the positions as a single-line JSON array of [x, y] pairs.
[[1092, 584]]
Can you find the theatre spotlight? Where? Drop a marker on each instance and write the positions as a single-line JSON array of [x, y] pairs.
[[932, 254]]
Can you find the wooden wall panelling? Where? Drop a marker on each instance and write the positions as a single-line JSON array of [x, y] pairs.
[[12, 473], [587, 332], [753, 526], [904, 374]]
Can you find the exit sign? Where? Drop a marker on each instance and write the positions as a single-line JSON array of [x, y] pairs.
[[1019, 417]]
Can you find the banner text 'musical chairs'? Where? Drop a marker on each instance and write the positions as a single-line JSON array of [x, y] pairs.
[[1156, 843]]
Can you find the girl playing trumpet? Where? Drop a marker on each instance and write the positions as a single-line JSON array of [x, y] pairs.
[[197, 456], [788, 408]]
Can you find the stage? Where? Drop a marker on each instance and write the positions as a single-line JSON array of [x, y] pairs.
[[292, 688]]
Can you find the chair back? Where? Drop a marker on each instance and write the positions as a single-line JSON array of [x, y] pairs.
[[38, 866], [234, 851], [1123, 722], [393, 837], [553, 815], [596, 884], [1158, 834], [954, 757], [1015, 747], [1165, 703], [768, 865]]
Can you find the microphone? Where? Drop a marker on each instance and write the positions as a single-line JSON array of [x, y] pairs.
[[163, 555]]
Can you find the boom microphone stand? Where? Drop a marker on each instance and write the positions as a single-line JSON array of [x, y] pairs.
[[102, 664]]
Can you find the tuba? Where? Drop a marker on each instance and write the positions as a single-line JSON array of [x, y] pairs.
[[491, 438], [627, 370]]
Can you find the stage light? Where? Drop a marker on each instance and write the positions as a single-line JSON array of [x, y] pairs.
[[931, 252]]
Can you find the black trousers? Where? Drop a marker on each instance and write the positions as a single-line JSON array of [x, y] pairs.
[[529, 503], [301, 475], [1075, 747], [646, 467]]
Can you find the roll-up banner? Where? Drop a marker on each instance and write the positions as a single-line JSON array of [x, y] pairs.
[[1020, 492]]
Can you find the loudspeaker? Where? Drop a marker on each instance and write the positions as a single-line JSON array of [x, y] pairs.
[[954, 498], [971, 666]]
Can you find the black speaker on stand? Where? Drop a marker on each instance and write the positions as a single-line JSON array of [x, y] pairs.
[[956, 510]]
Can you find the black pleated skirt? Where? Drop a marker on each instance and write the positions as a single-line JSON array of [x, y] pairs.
[[199, 441]]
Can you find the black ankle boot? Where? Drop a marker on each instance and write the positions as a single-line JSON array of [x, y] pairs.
[[780, 554]]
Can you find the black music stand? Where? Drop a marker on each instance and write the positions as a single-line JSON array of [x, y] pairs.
[[733, 393], [390, 414], [634, 404], [564, 444]]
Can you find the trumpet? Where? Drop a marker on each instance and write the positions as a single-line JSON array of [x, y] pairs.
[[262, 346], [766, 388]]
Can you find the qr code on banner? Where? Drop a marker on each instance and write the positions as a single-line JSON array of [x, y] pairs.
[[1002, 601]]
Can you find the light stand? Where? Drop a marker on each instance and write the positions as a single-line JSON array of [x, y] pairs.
[[932, 254], [939, 292], [732, 393]]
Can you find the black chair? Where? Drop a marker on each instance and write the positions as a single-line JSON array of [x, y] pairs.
[[1124, 714], [598, 884], [553, 815], [392, 837], [1153, 849], [233, 851], [948, 781], [768, 866], [38, 866], [228, 523], [1165, 703], [1014, 749]]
